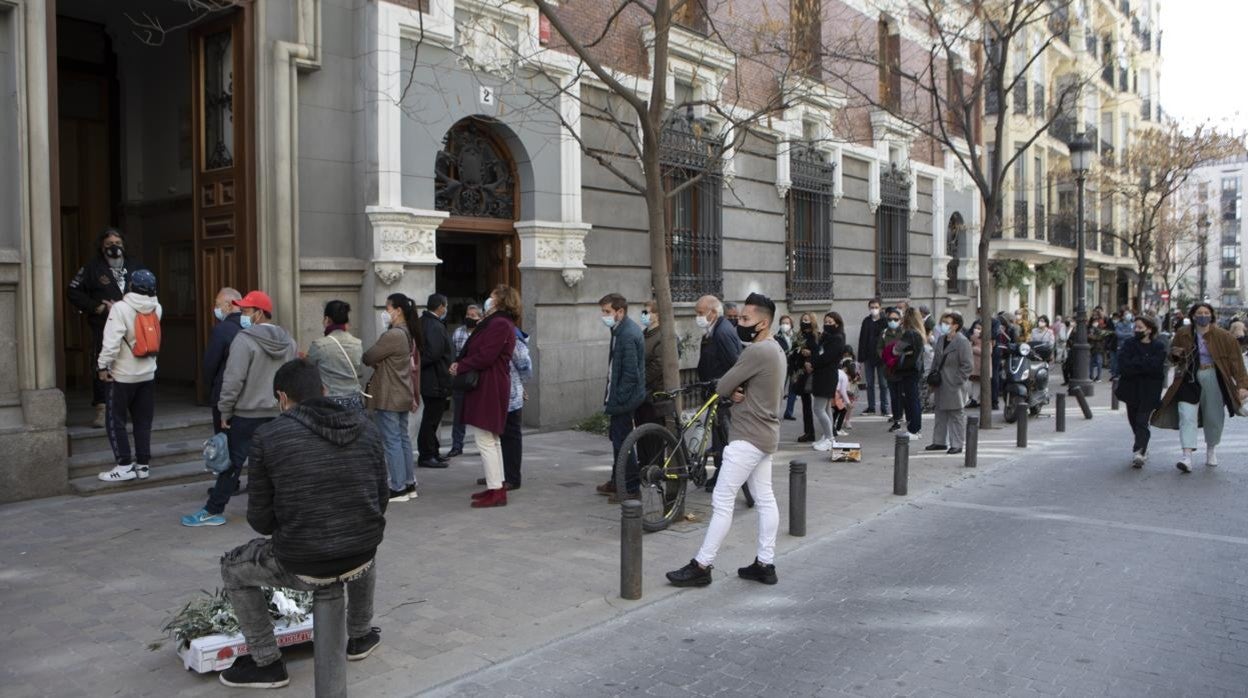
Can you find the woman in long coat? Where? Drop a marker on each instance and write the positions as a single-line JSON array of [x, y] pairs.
[[954, 363], [1142, 367], [488, 353], [1209, 377]]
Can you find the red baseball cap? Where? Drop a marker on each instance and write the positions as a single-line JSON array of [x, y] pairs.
[[256, 299]]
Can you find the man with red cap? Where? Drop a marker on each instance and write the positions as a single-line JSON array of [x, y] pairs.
[[247, 398]]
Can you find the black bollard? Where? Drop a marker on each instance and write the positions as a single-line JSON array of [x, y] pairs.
[[1083, 402], [972, 441], [329, 651], [1113, 395], [630, 549], [1020, 419], [797, 498], [901, 463], [1060, 418]]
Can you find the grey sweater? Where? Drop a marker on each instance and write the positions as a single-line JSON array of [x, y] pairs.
[[760, 370], [255, 355], [340, 365]]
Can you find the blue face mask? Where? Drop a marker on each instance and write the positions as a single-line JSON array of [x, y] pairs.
[[245, 321], [609, 321], [945, 328], [893, 324], [219, 314], [645, 319]]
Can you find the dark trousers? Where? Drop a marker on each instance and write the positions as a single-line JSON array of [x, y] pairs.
[[216, 419], [912, 400], [1139, 425], [513, 448], [427, 445], [838, 418], [99, 388], [875, 375], [240, 432], [808, 417], [621, 425], [894, 391], [138, 400], [457, 421]]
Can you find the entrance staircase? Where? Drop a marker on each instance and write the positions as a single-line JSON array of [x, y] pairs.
[[178, 435]]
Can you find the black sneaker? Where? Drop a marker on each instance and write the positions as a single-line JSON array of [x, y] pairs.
[[691, 575], [759, 572], [936, 447], [869, 411], [245, 674], [454, 452], [360, 647], [894, 426]]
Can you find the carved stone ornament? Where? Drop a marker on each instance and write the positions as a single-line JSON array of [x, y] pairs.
[[402, 237], [554, 245], [482, 44], [388, 273]]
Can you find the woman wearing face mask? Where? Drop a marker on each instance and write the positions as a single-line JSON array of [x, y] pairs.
[[1209, 377], [908, 351], [1042, 332], [805, 344], [338, 355], [889, 358], [977, 350], [99, 284], [1142, 363], [395, 360], [785, 337], [826, 363], [954, 359]]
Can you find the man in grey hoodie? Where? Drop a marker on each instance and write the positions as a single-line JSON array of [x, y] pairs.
[[247, 399]]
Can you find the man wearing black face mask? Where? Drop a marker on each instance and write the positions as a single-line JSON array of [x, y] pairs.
[[99, 284]]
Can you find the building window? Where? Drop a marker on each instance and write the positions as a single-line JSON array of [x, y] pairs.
[[807, 19], [892, 223], [1020, 195], [694, 213], [953, 242], [889, 59], [810, 225], [1041, 197]]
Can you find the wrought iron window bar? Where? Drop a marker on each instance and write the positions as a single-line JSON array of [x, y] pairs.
[[695, 236], [810, 225], [892, 231]]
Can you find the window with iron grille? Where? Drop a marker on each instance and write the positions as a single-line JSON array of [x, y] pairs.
[[695, 212], [892, 223], [810, 225]]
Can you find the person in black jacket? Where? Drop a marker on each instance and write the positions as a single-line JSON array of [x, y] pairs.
[[435, 380], [801, 380], [826, 363], [99, 284], [720, 349], [319, 488], [873, 325], [1142, 367], [218, 352]]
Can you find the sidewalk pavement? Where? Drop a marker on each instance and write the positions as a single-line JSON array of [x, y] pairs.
[[86, 584]]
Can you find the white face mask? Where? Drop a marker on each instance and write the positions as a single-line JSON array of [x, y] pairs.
[[489, 305], [786, 328], [702, 322], [384, 318], [875, 313]]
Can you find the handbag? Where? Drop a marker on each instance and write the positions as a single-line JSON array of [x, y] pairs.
[[465, 381], [933, 378]]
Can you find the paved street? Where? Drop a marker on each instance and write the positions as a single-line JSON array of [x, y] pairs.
[[524, 599]]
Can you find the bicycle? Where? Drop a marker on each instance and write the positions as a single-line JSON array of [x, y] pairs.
[[667, 462]]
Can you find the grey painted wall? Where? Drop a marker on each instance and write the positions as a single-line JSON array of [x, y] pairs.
[[11, 177]]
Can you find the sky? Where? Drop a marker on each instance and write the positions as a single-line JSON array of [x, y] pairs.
[[1203, 54]]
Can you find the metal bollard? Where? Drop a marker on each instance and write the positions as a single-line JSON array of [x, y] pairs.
[[1060, 416], [1113, 395], [1020, 419], [329, 646], [797, 498], [630, 549], [901, 464], [1083, 402], [972, 441]]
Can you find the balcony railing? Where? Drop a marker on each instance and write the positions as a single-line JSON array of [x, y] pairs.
[[1090, 236], [1147, 40], [1020, 220], [1063, 129], [992, 98], [1089, 44], [1124, 80], [1062, 230], [1020, 97], [1041, 233], [1107, 240], [1107, 75], [1146, 110], [1038, 106]]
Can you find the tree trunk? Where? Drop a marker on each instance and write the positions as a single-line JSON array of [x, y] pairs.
[[660, 279], [986, 337]]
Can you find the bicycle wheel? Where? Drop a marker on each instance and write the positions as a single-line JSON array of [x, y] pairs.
[[661, 471]]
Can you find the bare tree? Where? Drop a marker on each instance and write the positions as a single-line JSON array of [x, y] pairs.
[[151, 29]]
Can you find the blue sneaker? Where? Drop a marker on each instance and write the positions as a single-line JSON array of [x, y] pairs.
[[203, 518]]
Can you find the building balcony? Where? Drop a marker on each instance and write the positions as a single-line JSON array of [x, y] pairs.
[[1020, 220], [1062, 230], [1020, 98], [1038, 106], [1146, 109], [1107, 240], [1041, 233]]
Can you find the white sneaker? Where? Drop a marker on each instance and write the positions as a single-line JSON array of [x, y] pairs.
[[823, 445], [917, 436], [1211, 456], [1185, 463], [1137, 459], [119, 473], [142, 471]]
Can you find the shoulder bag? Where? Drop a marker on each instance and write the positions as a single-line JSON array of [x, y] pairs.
[[351, 364], [934, 378]]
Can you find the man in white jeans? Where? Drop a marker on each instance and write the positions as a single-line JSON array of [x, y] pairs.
[[755, 383]]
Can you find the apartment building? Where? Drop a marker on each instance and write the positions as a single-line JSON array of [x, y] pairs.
[[1208, 258], [1112, 51]]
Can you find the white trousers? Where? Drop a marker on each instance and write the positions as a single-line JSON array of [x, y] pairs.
[[491, 448], [743, 464]]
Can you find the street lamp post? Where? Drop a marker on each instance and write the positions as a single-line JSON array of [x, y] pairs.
[[1081, 154], [1203, 225]]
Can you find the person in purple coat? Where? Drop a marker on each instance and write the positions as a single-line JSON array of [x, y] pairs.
[[488, 354]]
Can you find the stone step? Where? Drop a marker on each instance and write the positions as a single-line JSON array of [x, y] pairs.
[[94, 462], [162, 475], [182, 427]]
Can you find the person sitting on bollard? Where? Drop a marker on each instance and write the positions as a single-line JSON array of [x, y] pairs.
[[319, 488], [755, 383]]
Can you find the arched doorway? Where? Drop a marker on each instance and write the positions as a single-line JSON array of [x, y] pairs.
[[476, 181], [955, 233]]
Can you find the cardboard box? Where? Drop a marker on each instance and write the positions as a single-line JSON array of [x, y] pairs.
[[846, 452], [217, 652]]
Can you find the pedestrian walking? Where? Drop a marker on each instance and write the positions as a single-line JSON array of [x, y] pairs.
[[437, 351], [826, 363], [395, 389], [755, 384], [484, 373], [97, 285], [247, 400], [472, 316], [907, 353], [949, 379], [1209, 378], [626, 385], [127, 366], [873, 325], [1142, 366], [217, 354], [801, 376], [338, 355], [890, 360], [720, 349], [319, 491]]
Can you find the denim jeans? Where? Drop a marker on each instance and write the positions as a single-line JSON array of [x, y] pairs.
[[400, 462], [457, 421], [621, 425], [253, 565], [239, 437], [138, 400], [875, 376], [1210, 411], [789, 403], [743, 464], [1094, 366]]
